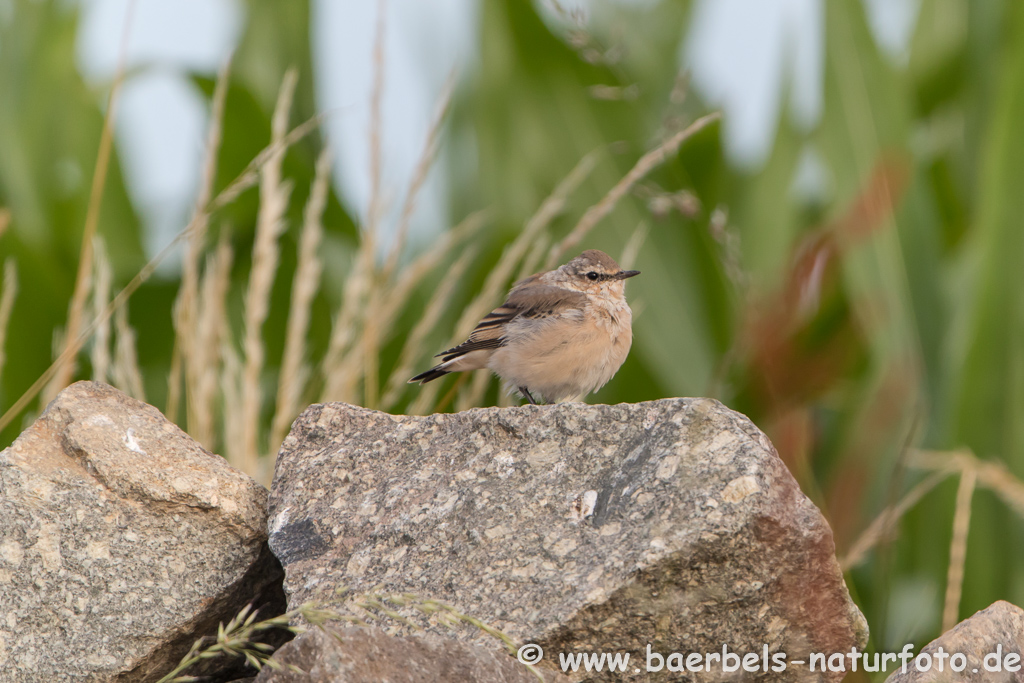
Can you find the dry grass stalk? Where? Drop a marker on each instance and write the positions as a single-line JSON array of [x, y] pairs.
[[472, 394], [342, 353], [125, 371], [995, 476], [628, 259], [633, 246], [294, 371], [526, 242], [369, 350], [885, 523], [940, 460], [72, 348], [360, 291], [223, 198], [245, 180], [412, 275], [274, 193], [174, 386], [419, 177], [973, 472], [376, 97], [250, 175], [206, 359], [426, 398], [5, 220], [10, 290], [338, 386], [534, 256], [187, 343], [349, 370], [376, 329], [647, 163], [412, 350], [231, 381], [100, 299], [958, 548], [426, 401], [66, 370], [408, 610], [238, 636], [992, 474]]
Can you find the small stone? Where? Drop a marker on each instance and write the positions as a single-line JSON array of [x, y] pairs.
[[991, 642]]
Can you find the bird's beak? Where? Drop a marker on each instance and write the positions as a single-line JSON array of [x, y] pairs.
[[623, 274]]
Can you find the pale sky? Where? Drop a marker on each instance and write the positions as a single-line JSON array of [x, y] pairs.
[[738, 50]]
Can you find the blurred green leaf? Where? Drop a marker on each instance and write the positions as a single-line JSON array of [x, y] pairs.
[[991, 380], [989, 375], [50, 124]]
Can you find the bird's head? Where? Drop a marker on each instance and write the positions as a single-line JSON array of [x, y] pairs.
[[592, 272]]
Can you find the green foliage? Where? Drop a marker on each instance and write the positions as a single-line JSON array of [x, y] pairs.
[[49, 135], [989, 377], [855, 326]]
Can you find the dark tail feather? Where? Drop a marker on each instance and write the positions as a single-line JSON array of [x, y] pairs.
[[431, 374]]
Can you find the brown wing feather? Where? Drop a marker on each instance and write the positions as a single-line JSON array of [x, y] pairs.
[[528, 299], [544, 300]]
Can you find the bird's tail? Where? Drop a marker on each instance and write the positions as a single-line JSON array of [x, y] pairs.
[[430, 375]]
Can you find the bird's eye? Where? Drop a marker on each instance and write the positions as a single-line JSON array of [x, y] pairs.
[[592, 276]]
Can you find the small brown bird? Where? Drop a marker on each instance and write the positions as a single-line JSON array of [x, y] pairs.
[[559, 334]]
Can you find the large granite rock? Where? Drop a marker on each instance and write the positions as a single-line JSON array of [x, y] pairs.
[[121, 541], [365, 655], [581, 528], [995, 633]]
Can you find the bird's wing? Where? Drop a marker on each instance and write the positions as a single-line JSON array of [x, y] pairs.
[[541, 301], [529, 300]]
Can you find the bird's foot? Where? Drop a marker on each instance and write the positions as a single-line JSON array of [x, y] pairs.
[[529, 397]]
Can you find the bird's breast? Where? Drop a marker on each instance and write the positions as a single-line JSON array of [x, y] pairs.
[[612, 315], [573, 352]]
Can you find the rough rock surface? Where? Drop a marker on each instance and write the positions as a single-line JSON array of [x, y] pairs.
[[582, 528], [365, 655], [999, 629], [121, 540]]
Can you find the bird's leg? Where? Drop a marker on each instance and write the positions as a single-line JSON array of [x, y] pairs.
[[526, 392]]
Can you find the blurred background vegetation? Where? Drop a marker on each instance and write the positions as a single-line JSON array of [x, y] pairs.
[[859, 293]]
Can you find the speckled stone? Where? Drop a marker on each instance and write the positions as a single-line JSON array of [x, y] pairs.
[[999, 629], [121, 541], [367, 655], [578, 527]]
